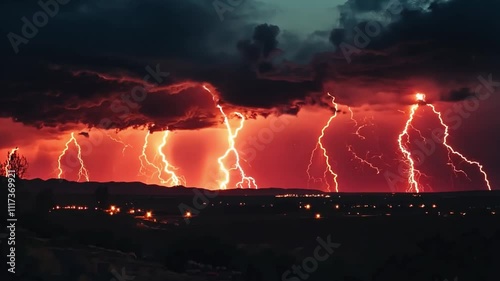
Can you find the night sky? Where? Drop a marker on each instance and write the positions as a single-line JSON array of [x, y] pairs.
[[110, 71]]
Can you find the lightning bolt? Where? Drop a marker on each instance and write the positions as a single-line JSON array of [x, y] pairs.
[[118, 140], [167, 168], [320, 145], [143, 159], [11, 153], [82, 172], [352, 117], [358, 128], [362, 160], [232, 135], [451, 150], [413, 173], [357, 133]]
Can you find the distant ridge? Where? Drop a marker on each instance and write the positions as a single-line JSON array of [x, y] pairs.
[[139, 188]]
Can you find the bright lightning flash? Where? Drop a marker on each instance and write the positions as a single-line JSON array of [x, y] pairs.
[[167, 167], [247, 181], [451, 150], [83, 172], [143, 159], [414, 174], [319, 144], [9, 159]]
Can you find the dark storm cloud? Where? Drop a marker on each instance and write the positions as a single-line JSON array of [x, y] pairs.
[[79, 67], [70, 71], [458, 95], [446, 43]]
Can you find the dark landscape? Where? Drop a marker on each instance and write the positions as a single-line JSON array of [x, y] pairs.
[[252, 234], [250, 140]]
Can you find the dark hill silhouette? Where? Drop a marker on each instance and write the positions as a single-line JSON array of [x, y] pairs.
[[139, 188]]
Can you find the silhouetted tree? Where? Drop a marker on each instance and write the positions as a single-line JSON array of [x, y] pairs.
[[15, 162], [44, 201], [101, 196]]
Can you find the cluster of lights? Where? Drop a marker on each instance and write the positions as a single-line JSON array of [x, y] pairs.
[[112, 210], [70, 207], [293, 195]]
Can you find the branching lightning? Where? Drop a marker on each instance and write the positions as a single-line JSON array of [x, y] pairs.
[[362, 160], [82, 172], [320, 145], [118, 140], [143, 159], [413, 173], [247, 181], [451, 150], [7, 166], [358, 134], [167, 167]]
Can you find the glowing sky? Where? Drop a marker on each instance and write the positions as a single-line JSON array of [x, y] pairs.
[[272, 61], [282, 162]]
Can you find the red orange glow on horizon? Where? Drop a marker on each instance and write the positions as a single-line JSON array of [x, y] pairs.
[[232, 174]]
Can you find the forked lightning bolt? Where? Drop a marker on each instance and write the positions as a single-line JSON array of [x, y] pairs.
[[167, 167], [247, 181], [413, 173], [143, 159], [320, 145], [451, 150], [9, 158], [82, 172]]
